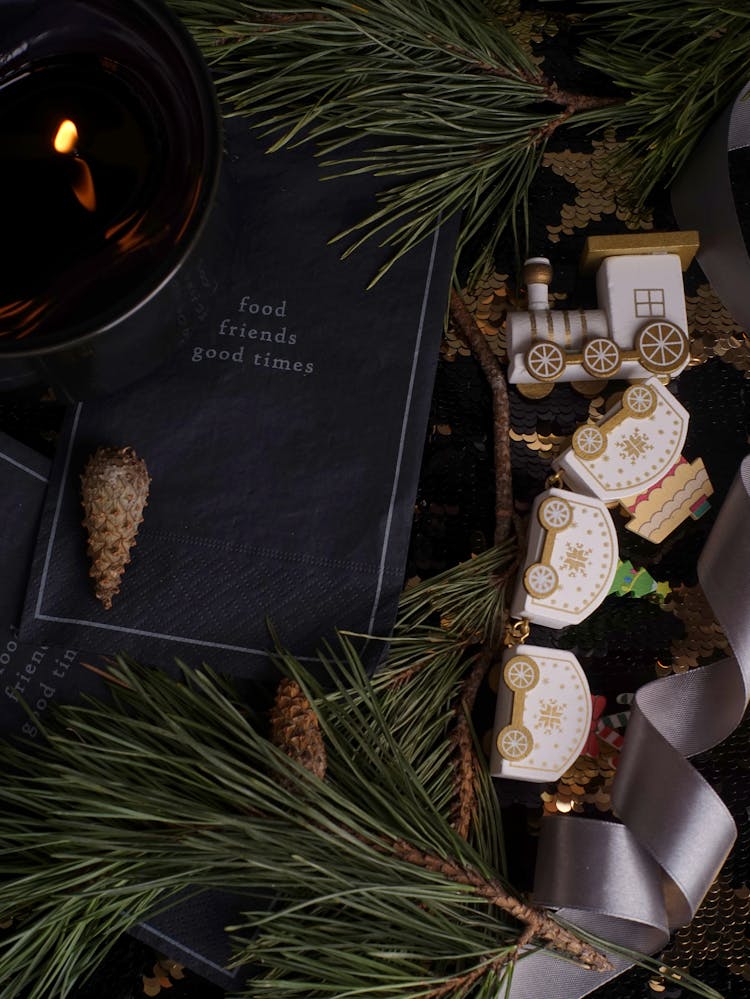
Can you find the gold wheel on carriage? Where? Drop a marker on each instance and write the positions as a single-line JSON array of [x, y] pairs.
[[555, 513], [540, 580], [521, 674], [514, 743], [589, 442], [639, 401]]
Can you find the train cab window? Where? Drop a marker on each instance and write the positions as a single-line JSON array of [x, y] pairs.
[[649, 302]]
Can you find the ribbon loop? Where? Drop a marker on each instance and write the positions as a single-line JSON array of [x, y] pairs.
[[667, 805], [632, 883]]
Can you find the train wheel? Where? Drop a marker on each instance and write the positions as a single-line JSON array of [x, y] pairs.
[[555, 513], [589, 442], [663, 347], [545, 361], [540, 580], [521, 673], [514, 743], [639, 400], [601, 358]]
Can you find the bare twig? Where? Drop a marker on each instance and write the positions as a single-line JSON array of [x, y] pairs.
[[572, 102], [465, 768], [467, 327], [538, 923], [577, 102], [408, 674], [466, 764], [464, 982]]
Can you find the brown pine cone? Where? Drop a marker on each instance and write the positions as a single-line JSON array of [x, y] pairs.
[[114, 491], [295, 728]]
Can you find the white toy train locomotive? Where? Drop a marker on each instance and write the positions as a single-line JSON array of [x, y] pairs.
[[639, 329]]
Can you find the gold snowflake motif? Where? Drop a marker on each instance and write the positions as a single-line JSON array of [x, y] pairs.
[[551, 715], [634, 446], [576, 559]]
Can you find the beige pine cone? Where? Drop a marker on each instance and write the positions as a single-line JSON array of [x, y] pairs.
[[295, 728], [114, 490]]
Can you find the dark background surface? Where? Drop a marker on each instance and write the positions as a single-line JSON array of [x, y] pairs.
[[627, 642]]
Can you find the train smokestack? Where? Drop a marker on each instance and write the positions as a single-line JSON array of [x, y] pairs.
[[537, 274]]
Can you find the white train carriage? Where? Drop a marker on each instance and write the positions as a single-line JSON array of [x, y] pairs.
[[543, 714], [571, 560], [631, 448], [638, 330]]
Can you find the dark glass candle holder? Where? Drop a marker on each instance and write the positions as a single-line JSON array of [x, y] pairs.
[[110, 154]]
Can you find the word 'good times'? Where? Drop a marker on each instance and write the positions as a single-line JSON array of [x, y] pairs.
[[258, 324]]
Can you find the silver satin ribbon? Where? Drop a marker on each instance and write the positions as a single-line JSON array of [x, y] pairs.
[[632, 883], [702, 199]]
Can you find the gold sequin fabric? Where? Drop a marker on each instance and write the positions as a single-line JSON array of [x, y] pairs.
[[703, 640], [719, 932], [587, 782], [545, 446], [488, 301], [599, 189], [528, 27], [548, 445], [714, 333]]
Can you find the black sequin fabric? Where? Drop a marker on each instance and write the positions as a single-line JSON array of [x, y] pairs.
[[628, 641]]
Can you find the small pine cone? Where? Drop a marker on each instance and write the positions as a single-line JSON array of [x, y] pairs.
[[295, 728], [114, 490]]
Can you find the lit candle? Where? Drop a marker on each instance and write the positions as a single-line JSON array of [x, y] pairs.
[[79, 162], [110, 151]]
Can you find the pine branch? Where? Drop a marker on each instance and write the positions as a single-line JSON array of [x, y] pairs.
[[538, 922], [355, 858], [173, 784], [467, 601], [679, 65], [368, 84], [459, 985]]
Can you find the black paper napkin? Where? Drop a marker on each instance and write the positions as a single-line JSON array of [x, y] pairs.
[[283, 440], [37, 674], [23, 480]]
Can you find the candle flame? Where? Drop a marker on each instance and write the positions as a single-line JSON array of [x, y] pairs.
[[83, 185], [66, 137], [66, 141]]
